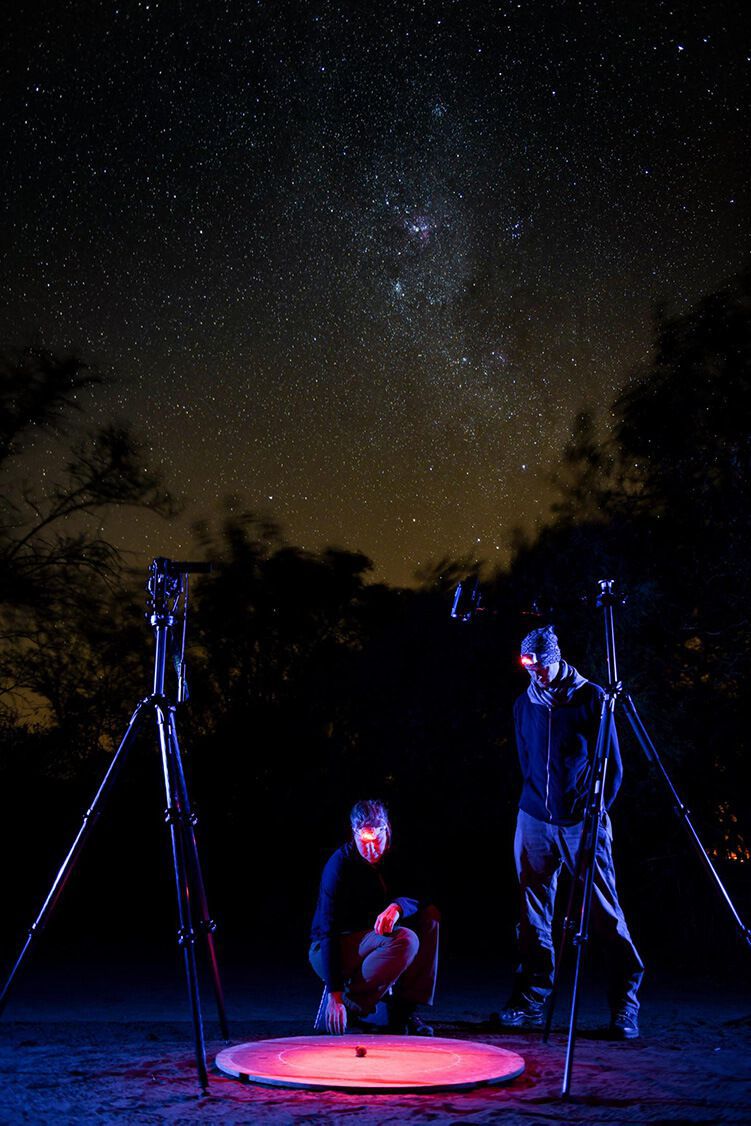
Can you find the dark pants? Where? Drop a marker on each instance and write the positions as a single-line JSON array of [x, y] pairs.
[[540, 851], [406, 959]]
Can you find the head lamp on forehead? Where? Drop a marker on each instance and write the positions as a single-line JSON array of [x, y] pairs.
[[368, 833], [526, 660]]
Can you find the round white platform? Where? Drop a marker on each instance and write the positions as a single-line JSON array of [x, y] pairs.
[[389, 1063]]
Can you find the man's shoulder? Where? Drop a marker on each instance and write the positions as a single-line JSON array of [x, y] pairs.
[[520, 700], [338, 859]]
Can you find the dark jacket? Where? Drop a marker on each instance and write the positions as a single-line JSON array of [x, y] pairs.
[[556, 746], [352, 895]]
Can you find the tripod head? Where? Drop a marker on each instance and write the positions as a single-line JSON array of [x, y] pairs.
[[605, 600], [467, 599], [606, 596], [167, 581], [167, 584]]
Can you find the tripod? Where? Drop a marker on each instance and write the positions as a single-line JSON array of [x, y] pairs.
[[584, 870], [167, 587]]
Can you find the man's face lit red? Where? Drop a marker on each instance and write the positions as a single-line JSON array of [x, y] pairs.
[[541, 674], [372, 841]]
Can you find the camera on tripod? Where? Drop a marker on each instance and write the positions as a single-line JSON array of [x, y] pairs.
[[168, 579], [468, 599]]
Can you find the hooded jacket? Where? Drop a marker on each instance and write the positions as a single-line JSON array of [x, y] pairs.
[[555, 740]]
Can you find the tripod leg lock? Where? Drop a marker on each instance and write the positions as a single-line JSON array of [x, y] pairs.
[[208, 926], [186, 936], [173, 815]]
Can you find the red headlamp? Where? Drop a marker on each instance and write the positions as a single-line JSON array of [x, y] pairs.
[[369, 833]]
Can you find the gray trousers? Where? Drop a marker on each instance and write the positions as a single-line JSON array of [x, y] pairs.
[[540, 851], [406, 959]]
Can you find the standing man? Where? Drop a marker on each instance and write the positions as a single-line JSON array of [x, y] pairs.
[[556, 722], [369, 933]]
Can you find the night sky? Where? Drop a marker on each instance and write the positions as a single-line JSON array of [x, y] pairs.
[[361, 263]]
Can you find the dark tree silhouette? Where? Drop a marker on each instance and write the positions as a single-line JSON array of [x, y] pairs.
[[37, 391], [44, 529], [59, 617]]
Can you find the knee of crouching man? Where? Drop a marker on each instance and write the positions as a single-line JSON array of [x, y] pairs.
[[407, 938]]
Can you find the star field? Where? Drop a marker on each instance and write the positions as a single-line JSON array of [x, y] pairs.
[[362, 263]]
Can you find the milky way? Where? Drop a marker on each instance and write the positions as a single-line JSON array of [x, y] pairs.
[[361, 264]]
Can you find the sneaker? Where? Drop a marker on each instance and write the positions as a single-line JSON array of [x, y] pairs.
[[523, 1012], [624, 1023], [403, 1021], [357, 1017], [417, 1027]]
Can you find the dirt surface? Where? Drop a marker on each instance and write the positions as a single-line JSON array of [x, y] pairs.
[[691, 1065]]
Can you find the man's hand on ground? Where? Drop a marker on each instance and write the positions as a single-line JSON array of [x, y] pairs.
[[336, 1014], [387, 919]]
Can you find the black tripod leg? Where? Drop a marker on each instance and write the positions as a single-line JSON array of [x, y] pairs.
[[89, 820], [681, 811], [186, 935], [581, 939], [579, 867], [568, 923], [207, 924]]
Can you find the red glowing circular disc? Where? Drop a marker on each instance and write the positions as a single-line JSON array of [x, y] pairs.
[[390, 1063]]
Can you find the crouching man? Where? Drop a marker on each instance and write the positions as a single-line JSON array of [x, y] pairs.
[[369, 935]]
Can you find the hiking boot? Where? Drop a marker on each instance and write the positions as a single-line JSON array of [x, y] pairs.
[[523, 1012], [624, 1023]]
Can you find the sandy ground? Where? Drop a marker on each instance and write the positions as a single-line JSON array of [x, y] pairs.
[[79, 1045]]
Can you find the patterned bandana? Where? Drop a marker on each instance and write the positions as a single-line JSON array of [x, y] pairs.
[[544, 644]]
